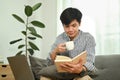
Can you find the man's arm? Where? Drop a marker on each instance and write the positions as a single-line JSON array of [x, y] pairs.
[[53, 54], [90, 48]]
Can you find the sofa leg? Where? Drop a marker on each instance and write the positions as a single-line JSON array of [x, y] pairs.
[[84, 78]]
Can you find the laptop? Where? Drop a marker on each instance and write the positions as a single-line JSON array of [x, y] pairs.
[[20, 68]]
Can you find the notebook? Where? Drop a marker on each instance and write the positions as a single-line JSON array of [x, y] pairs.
[[20, 68]]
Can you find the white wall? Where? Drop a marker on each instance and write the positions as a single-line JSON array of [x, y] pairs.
[[10, 28]]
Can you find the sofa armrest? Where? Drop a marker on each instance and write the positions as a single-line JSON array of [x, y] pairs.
[[44, 78]]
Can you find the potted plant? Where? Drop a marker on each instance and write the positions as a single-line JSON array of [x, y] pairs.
[[30, 34]]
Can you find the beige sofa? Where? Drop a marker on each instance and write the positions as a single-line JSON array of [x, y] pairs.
[[83, 78]]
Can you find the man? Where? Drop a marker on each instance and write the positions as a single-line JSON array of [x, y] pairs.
[[71, 20]]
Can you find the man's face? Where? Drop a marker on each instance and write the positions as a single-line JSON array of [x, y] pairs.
[[72, 29]]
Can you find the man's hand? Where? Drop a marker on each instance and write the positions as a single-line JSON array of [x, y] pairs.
[[60, 48], [72, 68]]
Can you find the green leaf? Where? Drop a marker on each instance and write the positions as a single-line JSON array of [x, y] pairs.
[[14, 41], [38, 24], [28, 10], [18, 18], [24, 32], [33, 46], [21, 46], [19, 53], [32, 29], [37, 35], [31, 51], [36, 6], [32, 38]]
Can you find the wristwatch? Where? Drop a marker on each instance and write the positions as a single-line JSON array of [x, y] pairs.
[[83, 71]]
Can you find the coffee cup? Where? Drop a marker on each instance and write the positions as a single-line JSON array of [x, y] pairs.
[[69, 45]]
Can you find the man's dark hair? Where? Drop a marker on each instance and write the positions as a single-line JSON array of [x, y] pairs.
[[70, 14]]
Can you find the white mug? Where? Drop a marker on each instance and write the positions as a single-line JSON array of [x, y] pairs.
[[69, 45]]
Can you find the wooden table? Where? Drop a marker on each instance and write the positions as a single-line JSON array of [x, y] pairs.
[[5, 72]]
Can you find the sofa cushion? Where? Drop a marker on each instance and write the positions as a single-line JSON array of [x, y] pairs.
[[108, 67], [40, 68], [37, 64]]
